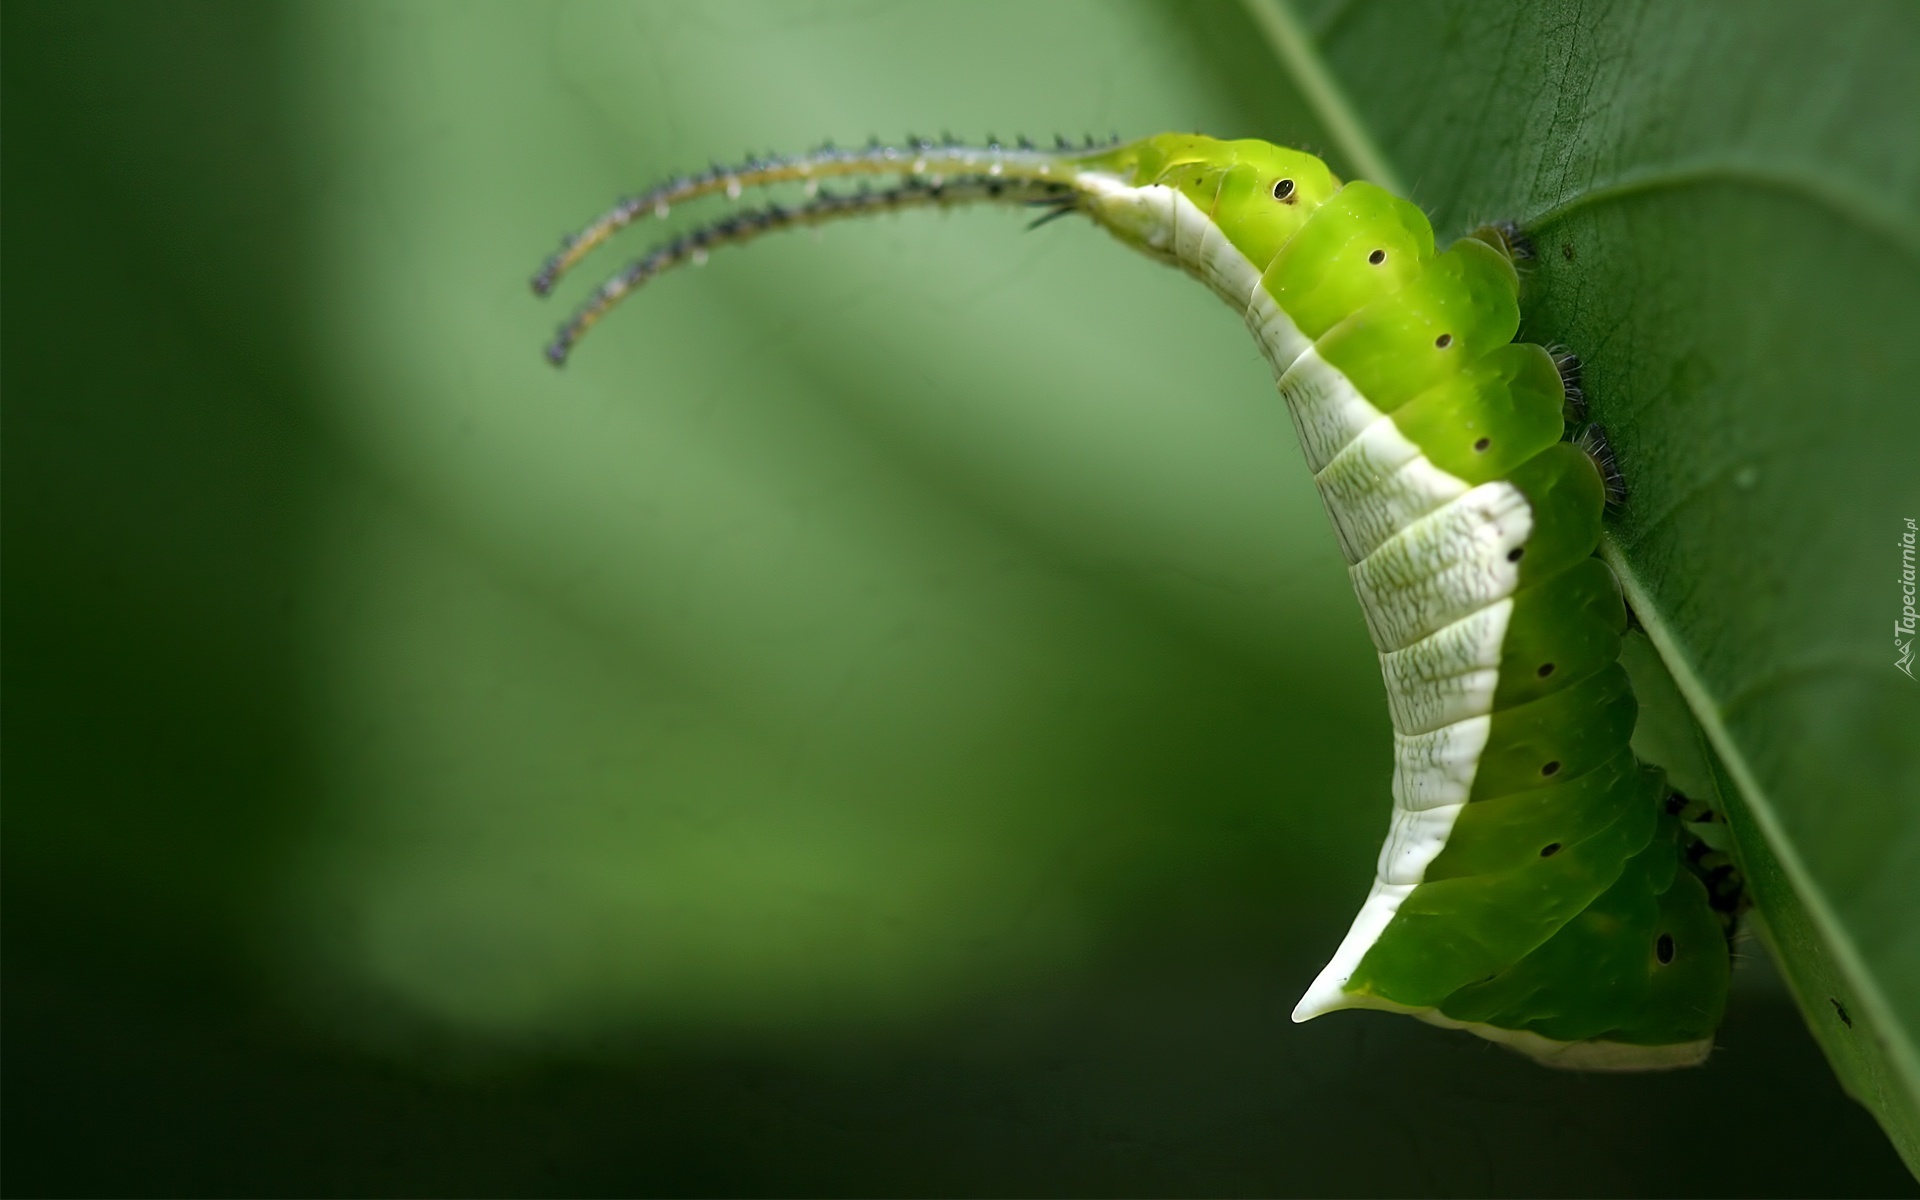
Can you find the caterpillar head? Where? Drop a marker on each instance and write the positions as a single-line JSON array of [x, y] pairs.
[[1160, 193]]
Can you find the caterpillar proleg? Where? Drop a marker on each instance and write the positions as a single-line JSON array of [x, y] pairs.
[[1537, 885]]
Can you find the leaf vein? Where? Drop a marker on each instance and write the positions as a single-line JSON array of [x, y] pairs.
[[1846, 954], [1842, 197]]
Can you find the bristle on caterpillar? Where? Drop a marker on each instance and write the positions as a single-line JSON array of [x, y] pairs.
[[1574, 407], [1592, 438]]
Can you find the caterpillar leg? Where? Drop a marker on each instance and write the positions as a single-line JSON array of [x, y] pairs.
[[1508, 238], [1573, 409]]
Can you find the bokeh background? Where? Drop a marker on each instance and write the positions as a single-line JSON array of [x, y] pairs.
[[888, 718]]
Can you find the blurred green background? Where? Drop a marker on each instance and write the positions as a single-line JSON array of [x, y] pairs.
[[888, 718]]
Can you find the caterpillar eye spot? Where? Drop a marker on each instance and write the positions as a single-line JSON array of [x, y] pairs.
[[1480, 447], [1377, 257], [1283, 191], [1550, 849], [1663, 949], [1545, 670], [1516, 554], [1552, 768], [1443, 341]]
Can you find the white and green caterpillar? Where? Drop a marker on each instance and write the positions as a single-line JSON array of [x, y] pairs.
[[1537, 886]]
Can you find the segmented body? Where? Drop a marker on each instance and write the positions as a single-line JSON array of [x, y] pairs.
[[1532, 886], [1529, 887]]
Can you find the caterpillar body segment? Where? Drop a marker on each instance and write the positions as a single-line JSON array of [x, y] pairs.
[[1533, 887]]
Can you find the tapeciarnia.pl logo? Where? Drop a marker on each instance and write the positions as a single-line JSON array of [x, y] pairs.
[[1903, 628]]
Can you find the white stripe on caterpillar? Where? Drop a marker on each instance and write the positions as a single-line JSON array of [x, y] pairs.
[[1414, 840], [1190, 227], [1435, 769], [1280, 340], [1444, 566], [1378, 485], [1328, 411], [1222, 267], [1326, 993], [1145, 213], [1447, 676], [1432, 777]]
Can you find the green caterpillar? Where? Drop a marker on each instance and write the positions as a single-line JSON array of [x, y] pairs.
[[1538, 885]]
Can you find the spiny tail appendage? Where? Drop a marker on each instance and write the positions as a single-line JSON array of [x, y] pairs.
[[919, 173]]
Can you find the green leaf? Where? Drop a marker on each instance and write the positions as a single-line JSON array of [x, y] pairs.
[[1725, 201]]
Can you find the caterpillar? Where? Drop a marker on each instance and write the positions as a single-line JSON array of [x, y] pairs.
[[1539, 885]]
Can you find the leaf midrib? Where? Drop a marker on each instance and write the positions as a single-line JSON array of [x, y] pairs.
[[1310, 72], [1821, 188]]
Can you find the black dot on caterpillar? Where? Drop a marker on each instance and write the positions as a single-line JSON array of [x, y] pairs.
[[1663, 949], [1516, 554], [1545, 670], [1550, 849], [1283, 191], [1552, 768], [1377, 257], [1841, 1010], [1480, 447], [1443, 341]]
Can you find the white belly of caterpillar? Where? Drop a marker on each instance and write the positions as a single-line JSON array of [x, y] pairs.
[[1377, 485], [1449, 675], [1432, 775], [1445, 566], [1144, 213], [1326, 993], [1430, 563], [1435, 769]]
